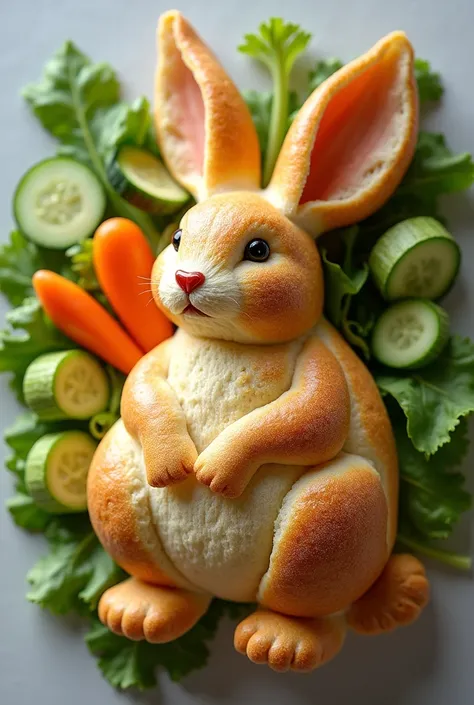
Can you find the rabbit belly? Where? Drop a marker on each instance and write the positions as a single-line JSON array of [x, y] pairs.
[[224, 545], [220, 545]]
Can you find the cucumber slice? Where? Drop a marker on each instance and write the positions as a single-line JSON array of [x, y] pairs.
[[56, 471], [142, 179], [415, 258], [58, 202], [410, 334], [66, 385]]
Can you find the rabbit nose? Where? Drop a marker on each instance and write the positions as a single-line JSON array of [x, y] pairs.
[[188, 281]]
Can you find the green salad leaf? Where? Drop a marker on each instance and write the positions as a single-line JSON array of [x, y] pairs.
[[430, 87], [28, 334], [342, 282], [78, 102], [277, 45], [434, 493], [75, 572], [127, 664], [322, 71], [435, 170], [19, 260], [436, 397]]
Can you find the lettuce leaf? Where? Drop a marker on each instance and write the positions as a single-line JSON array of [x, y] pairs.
[[322, 71], [342, 282], [127, 664], [430, 87], [75, 572], [19, 260], [434, 398], [433, 490]]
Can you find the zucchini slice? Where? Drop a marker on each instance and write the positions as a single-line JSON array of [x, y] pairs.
[[66, 385], [142, 179], [56, 471], [58, 202], [410, 334], [415, 258]]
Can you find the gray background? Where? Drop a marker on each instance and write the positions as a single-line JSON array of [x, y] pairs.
[[43, 659]]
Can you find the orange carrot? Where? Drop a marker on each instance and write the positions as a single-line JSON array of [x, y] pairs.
[[85, 321], [123, 261]]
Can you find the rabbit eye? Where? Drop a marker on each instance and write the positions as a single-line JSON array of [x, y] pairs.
[[176, 239], [257, 251]]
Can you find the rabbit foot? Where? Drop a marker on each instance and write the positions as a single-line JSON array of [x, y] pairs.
[[289, 643], [395, 599], [142, 611]]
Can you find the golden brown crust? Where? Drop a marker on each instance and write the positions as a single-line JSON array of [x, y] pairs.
[[152, 415], [330, 540], [306, 425], [287, 643], [114, 516], [158, 615], [392, 55], [231, 148], [395, 599], [371, 432]]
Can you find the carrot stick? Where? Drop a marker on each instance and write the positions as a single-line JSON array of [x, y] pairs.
[[123, 261], [85, 321]]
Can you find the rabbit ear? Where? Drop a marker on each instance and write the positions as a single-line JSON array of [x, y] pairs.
[[204, 127], [351, 142]]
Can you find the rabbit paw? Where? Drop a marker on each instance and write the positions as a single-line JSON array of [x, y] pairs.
[[286, 643], [164, 468], [141, 611], [396, 598], [220, 476]]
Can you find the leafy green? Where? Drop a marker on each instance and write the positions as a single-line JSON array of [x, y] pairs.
[[28, 335], [277, 46], [75, 572], [322, 71], [430, 87], [127, 664], [435, 170], [25, 513], [433, 492], [342, 282], [78, 102], [436, 397], [19, 260]]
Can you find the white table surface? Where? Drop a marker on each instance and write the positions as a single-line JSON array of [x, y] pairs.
[[43, 659]]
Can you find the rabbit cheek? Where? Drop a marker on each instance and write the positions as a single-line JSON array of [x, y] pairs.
[[280, 302]]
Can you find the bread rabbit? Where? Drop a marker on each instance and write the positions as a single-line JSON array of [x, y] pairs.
[[254, 460]]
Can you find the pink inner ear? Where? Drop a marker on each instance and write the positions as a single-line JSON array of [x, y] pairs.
[[353, 134], [189, 118]]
